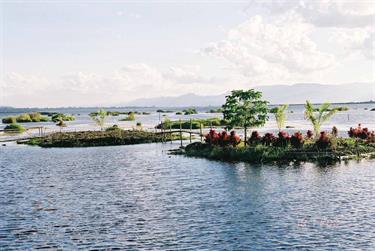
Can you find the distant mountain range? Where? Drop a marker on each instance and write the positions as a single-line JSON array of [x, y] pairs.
[[275, 94]]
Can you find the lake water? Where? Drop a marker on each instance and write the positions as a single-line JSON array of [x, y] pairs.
[[140, 198]]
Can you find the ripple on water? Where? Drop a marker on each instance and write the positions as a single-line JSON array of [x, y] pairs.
[[138, 197]]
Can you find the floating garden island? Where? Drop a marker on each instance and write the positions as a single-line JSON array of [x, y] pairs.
[[109, 137]]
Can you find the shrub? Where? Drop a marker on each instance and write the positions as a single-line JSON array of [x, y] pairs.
[[139, 124], [255, 138], [335, 131], [234, 139], [359, 132], [9, 120], [24, 118], [323, 142], [64, 117], [283, 139], [223, 138], [268, 139], [113, 128], [212, 137], [190, 111], [178, 113], [296, 140], [14, 127], [309, 134]]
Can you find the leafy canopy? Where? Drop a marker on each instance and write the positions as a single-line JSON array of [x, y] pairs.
[[245, 108]]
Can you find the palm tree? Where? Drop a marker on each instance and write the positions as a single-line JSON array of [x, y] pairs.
[[320, 115], [99, 118], [280, 115]]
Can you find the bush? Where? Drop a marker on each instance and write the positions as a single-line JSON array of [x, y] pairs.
[[323, 142], [130, 117], [283, 140], [113, 128], [297, 140], [222, 139], [268, 139], [14, 127], [24, 118], [190, 111], [60, 116], [359, 132], [9, 120], [255, 138], [309, 134]]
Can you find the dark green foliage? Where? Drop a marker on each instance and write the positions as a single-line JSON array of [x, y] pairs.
[[190, 111], [9, 120], [113, 128], [218, 110], [15, 127]]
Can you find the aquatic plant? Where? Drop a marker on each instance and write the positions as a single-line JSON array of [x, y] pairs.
[[359, 132], [9, 120], [190, 111], [268, 139], [318, 116], [64, 117], [245, 109], [280, 115], [113, 128]]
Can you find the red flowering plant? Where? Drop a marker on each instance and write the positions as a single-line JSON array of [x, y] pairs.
[[283, 139], [297, 140], [212, 137], [309, 134], [234, 139], [255, 138], [323, 141], [359, 132], [223, 138], [268, 139]]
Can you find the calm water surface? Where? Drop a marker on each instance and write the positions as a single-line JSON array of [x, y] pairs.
[[139, 197]]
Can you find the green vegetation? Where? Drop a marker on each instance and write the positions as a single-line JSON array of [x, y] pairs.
[[99, 118], [14, 128], [344, 149], [61, 124], [245, 109], [25, 118], [218, 110], [194, 122], [318, 116], [98, 138], [280, 115], [130, 117], [179, 113], [189, 111], [60, 116], [113, 128], [163, 111]]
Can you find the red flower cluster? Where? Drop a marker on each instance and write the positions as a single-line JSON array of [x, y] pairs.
[[362, 133], [297, 140], [223, 138], [255, 138], [283, 139], [268, 139], [309, 134], [323, 141]]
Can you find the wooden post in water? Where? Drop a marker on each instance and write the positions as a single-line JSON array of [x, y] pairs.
[[181, 132], [191, 127], [200, 131]]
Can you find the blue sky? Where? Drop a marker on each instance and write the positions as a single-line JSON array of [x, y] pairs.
[[59, 53]]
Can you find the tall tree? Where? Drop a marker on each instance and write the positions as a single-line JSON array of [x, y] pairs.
[[320, 115], [280, 115], [245, 109], [99, 118]]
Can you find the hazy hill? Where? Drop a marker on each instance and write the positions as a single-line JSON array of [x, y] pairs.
[[276, 94]]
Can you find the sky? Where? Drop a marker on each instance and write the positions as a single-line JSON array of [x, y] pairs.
[[93, 53]]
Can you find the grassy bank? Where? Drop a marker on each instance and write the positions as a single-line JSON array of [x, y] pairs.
[[97, 138], [195, 123], [346, 148]]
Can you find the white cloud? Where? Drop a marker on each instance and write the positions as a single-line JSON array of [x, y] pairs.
[[270, 51], [326, 13]]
